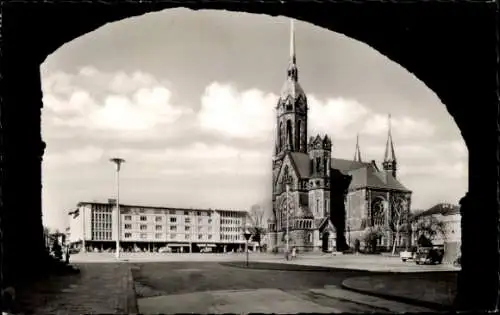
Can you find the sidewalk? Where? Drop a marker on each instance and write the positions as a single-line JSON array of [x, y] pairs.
[[97, 289], [436, 291], [370, 263]]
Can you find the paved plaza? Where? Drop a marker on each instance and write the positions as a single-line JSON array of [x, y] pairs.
[[220, 283], [211, 287], [374, 263]]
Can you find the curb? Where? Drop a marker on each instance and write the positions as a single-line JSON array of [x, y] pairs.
[[401, 299], [131, 298], [272, 266]]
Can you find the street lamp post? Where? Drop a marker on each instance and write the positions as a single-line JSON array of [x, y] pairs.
[[287, 220], [118, 162], [247, 235]]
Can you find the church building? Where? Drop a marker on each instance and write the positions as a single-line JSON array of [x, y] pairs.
[[325, 203]]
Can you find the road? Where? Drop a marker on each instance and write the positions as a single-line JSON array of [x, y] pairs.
[[212, 287]]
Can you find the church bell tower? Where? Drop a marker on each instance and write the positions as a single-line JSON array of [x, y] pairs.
[[291, 109]]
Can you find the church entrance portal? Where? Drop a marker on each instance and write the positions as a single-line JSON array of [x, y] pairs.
[[325, 245]]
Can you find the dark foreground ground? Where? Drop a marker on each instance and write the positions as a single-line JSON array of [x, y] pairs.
[[189, 277]]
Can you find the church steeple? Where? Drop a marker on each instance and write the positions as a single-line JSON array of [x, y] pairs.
[[357, 152], [291, 108], [293, 73], [390, 163]]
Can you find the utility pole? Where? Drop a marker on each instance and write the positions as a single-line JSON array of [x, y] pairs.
[[118, 162]]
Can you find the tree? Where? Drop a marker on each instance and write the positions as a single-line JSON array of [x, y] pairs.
[[257, 224], [371, 237], [429, 227], [56, 248], [398, 220]]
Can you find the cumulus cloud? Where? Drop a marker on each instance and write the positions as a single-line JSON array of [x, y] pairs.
[[101, 101], [442, 159], [251, 113], [84, 155], [404, 126], [201, 158], [247, 114], [335, 116]]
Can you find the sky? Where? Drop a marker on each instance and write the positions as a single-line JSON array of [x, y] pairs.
[[187, 99]]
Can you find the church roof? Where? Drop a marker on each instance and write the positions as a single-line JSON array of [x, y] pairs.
[[364, 174], [367, 175], [302, 163], [291, 88]]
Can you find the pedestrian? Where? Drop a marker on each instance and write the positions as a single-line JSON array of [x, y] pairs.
[[294, 253]]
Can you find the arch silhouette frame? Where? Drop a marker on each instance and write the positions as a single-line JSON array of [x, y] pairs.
[[450, 46]]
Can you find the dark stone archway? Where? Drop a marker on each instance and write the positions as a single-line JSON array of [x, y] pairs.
[[450, 46]]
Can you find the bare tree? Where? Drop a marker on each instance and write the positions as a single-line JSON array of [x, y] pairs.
[[258, 227], [398, 222]]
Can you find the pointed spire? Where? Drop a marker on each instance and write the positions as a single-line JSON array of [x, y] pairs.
[[357, 153], [390, 155], [292, 71], [292, 42]]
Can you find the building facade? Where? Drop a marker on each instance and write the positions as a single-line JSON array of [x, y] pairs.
[[317, 198], [93, 226]]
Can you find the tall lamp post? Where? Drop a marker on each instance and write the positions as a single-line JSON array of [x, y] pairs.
[[247, 235], [287, 220], [118, 162]]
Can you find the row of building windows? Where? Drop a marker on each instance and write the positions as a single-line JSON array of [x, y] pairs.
[[231, 221], [172, 219], [160, 235], [231, 237], [144, 227], [101, 235], [230, 229]]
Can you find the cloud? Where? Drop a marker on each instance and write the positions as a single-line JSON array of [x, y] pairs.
[[443, 169], [251, 113], [442, 159], [85, 155], [202, 159], [335, 116], [247, 114], [404, 126], [119, 102]]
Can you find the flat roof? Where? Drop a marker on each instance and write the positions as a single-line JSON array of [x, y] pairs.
[[81, 203]]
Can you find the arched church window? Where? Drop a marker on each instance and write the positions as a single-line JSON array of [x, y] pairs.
[[299, 133], [378, 212], [289, 134], [318, 164], [280, 135], [310, 237]]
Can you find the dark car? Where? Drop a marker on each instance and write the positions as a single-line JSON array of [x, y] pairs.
[[429, 255]]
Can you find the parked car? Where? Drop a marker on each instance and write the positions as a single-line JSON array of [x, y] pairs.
[[165, 250], [429, 255], [407, 255]]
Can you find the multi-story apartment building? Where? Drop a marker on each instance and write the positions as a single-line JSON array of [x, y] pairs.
[[93, 225]]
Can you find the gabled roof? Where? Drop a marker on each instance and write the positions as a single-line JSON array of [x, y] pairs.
[[302, 163], [319, 222], [347, 165], [367, 175]]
